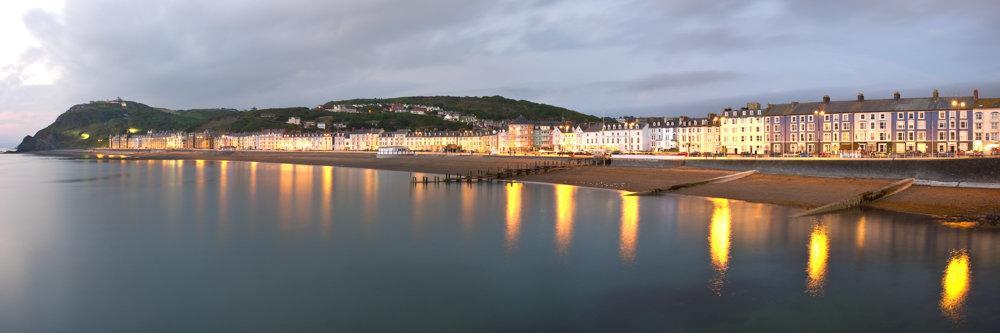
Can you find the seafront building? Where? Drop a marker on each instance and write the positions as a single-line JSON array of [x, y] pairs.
[[859, 127], [986, 124], [698, 135]]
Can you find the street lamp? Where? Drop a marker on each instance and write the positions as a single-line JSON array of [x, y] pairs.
[[819, 114]]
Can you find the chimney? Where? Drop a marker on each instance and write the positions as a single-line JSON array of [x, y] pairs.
[[826, 98], [975, 94], [861, 97], [896, 95], [936, 94]]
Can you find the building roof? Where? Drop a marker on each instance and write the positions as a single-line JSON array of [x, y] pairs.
[[520, 120], [988, 103], [871, 105]]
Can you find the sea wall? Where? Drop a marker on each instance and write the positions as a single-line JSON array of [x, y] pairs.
[[974, 170]]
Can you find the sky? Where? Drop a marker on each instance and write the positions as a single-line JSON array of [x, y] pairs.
[[607, 58]]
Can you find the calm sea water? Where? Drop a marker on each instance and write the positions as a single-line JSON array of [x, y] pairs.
[[139, 246]]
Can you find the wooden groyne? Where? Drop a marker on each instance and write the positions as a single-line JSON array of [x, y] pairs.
[[716, 180], [862, 199], [509, 172]]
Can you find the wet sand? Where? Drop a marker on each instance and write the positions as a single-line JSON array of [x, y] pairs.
[[788, 190]]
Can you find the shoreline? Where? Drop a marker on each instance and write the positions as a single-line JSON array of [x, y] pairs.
[[804, 192]]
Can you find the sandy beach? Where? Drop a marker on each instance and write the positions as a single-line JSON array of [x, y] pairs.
[[788, 190]]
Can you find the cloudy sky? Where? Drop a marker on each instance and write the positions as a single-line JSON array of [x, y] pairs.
[[600, 57]]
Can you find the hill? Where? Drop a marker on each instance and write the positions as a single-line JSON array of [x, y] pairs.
[[89, 125], [486, 107]]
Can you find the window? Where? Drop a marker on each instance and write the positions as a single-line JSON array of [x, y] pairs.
[[920, 115], [881, 116], [811, 119], [979, 115], [899, 115], [963, 124], [846, 126], [899, 136], [826, 118], [941, 115], [862, 117]]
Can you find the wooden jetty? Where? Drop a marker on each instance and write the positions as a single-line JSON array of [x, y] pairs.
[[510, 171]]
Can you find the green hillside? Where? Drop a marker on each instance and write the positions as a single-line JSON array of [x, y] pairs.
[[89, 125], [486, 107]]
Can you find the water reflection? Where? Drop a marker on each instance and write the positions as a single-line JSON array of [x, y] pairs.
[[629, 227], [370, 194], [303, 194], [223, 196], [819, 255], [199, 194], [564, 217], [286, 175], [859, 233], [468, 193], [512, 227], [326, 207], [719, 238], [253, 181], [955, 284]]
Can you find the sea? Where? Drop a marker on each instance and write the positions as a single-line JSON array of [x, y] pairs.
[[217, 246]]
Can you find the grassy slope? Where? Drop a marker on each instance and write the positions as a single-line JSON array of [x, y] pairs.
[[99, 120], [486, 107]]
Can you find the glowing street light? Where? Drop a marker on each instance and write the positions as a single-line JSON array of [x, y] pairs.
[[84, 136]]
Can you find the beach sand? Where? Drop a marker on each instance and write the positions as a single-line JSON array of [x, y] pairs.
[[788, 190]]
